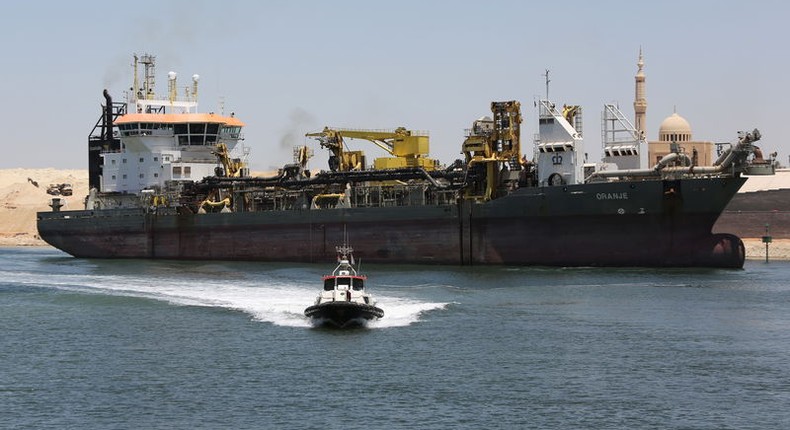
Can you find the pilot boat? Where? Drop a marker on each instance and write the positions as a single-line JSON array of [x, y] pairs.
[[344, 302]]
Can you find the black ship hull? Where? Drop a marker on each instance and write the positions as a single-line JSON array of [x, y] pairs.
[[343, 314], [651, 223]]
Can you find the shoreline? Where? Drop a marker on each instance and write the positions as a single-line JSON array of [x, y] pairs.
[[778, 250]]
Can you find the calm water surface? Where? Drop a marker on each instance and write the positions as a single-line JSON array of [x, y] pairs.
[[161, 344]]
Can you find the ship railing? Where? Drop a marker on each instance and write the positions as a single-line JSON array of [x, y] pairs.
[[547, 109], [400, 195], [359, 197], [477, 131]]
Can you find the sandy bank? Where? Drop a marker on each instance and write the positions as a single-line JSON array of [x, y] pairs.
[[24, 192]]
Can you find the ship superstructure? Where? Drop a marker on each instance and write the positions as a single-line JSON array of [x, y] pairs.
[[152, 141], [559, 145], [624, 145]]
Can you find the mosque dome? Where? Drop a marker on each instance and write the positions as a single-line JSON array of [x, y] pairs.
[[674, 128]]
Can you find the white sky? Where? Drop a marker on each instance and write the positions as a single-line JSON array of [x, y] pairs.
[[291, 67]]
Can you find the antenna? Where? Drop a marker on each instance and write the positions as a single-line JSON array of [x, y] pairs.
[[546, 75]]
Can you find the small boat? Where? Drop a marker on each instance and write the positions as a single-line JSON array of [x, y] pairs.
[[344, 301]]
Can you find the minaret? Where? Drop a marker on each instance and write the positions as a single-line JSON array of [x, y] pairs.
[[640, 103]]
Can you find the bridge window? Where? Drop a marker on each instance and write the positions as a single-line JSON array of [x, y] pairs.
[[197, 128], [196, 134], [231, 132], [197, 140]]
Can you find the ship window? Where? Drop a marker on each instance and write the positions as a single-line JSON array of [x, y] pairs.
[[231, 132], [211, 139], [183, 140], [156, 158], [142, 159], [212, 128], [358, 284], [343, 282], [329, 284], [187, 171], [142, 175], [197, 128], [180, 128], [124, 161], [124, 176], [196, 140], [112, 162], [156, 175], [113, 177], [176, 171]]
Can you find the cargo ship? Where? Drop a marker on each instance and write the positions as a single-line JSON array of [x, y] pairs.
[[165, 184]]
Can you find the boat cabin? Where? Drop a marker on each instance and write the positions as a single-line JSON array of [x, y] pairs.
[[356, 283]]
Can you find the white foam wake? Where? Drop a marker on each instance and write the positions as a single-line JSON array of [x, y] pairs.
[[279, 302]]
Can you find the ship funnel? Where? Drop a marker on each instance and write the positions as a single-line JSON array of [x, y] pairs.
[[107, 126]]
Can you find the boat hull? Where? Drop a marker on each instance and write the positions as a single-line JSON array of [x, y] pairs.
[[640, 223], [343, 314]]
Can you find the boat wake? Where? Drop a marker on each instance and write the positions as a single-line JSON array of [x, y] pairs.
[[279, 302]]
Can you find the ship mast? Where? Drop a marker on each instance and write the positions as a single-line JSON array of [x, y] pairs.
[[546, 75]]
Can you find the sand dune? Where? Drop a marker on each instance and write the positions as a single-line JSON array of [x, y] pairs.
[[24, 192], [21, 199]]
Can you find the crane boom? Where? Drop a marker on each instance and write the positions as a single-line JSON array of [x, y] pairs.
[[407, 148]]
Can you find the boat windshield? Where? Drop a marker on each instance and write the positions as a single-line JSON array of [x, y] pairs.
[[344, 282], [329, 284], [358, 284]]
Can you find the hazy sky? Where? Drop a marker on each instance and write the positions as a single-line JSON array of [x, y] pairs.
[[290, 67]]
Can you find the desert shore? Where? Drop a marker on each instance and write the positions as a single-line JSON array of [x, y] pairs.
[[24, 193]]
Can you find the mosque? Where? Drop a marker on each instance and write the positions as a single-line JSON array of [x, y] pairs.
[[674, 134]]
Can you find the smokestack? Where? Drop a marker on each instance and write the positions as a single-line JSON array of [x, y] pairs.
[[107, 117]]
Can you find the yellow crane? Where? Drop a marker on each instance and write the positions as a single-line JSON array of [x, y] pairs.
[[408, 148], [232, 167], [493, 149]]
